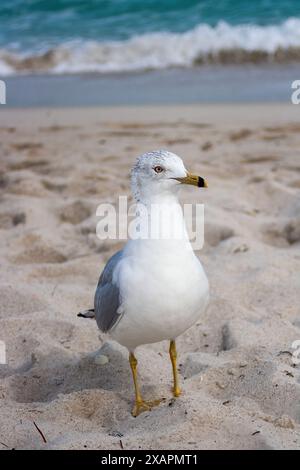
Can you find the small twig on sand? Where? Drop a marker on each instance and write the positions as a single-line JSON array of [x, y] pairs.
[[121, 444], [38, 429], [52, 294], [4, 444], [284, 352]]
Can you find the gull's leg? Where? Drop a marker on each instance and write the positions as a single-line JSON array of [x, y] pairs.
[[173, 357], [140, 405]]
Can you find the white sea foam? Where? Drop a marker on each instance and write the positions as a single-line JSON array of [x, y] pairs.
[[162, 50]]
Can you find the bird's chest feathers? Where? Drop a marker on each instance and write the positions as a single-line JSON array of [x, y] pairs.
[[167, 281]]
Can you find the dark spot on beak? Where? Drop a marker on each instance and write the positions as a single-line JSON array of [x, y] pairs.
[[201, 182]]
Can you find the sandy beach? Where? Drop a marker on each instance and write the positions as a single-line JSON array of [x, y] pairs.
[[241, 389]]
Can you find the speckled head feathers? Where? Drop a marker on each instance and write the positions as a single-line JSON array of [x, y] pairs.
[[147, 181]]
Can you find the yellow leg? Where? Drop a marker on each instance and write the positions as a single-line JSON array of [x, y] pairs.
[[140, 405], [173, 357]]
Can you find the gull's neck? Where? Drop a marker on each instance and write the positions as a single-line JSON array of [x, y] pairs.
[[165, 198], [163, 217]]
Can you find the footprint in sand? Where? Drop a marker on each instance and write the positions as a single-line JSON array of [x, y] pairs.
[[177, 141], [256, 179], [206, 146], [215, 234], [11, 130], [27, 146], [54, 186], [33, 248], [58, 373], [15, 303], [27, 185], [3, 180], [295, 184], [56, 128], [27, 164], [75, 213], [110, 158], [292, 231], [9, 219], [240, 135], [274, 137], [260, 159]]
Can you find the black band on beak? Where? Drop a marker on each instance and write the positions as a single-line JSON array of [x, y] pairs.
[[194, 180], [201, 182]]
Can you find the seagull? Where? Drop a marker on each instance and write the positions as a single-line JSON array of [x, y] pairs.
[[155, 288]]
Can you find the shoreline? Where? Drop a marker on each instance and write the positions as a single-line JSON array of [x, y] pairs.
[[225, 114], [205, 84]]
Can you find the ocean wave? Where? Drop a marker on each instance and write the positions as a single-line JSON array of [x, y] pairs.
[[223, 43]]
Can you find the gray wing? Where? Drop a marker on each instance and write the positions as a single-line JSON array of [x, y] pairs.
[[107, 296]]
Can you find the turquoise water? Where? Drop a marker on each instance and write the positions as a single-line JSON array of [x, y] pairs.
[[126, 35], [55, 41], [24, 23]]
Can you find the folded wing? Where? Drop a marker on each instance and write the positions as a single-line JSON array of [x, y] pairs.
[[107, 296]]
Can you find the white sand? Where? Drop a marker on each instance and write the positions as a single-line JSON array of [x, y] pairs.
[[240, 388]]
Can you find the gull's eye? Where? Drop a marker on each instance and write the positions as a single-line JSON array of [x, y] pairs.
[[158, 169]]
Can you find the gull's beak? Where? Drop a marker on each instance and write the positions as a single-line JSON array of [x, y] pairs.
[[194, 180]]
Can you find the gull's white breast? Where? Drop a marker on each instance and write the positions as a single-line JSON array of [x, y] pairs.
[[164, 291]]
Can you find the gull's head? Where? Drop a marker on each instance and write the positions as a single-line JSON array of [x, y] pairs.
[[160, 172]]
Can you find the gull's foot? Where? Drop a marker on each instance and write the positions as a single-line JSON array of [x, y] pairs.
[[141, 406], [176, 392]]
